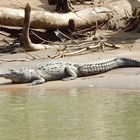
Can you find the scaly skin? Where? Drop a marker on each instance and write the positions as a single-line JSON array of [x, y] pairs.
[[66, 70]]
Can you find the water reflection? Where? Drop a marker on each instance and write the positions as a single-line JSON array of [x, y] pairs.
[[69, 115]]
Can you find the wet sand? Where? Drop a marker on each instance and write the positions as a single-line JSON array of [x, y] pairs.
[[124, 78]]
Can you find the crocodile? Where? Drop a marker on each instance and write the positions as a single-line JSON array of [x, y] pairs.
[[66, 70]]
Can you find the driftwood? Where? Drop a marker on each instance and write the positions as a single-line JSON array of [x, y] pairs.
[[47, 20], [25, 39], [29, 46], [73, 20], [82, 47], [83, 18], [75, 46]]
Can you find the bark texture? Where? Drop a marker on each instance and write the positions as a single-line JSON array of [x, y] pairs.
[[47, 20], [118, 9]]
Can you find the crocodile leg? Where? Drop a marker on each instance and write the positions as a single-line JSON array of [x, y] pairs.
[[70, 73], [40, 80]]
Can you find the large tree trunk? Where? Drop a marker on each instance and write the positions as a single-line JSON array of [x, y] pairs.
[[47, 20], [83, 18]]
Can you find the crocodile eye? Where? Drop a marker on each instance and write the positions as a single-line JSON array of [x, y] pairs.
[[11, 70]]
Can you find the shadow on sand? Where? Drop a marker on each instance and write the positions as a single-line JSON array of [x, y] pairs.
[[45, 5]]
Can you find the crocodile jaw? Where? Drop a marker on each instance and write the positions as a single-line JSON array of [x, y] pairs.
[[18, 76]]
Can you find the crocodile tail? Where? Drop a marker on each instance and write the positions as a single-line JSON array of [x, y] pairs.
[[127, 62]]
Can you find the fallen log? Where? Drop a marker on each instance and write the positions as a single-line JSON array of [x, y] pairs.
[[27, 45], [84, 18], [47, 20], [122, 10]]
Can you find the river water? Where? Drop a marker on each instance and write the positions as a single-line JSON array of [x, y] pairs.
[[75, 114]]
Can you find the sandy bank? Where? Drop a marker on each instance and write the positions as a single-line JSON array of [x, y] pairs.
[[126, 78]]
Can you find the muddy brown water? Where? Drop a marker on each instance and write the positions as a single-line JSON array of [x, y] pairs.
[[72, 114]]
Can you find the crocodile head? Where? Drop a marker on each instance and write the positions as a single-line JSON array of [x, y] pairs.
[[24, 75]]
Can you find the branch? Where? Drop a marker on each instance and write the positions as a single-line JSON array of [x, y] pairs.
[[25, 39]]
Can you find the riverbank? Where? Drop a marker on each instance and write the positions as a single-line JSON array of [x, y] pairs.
[[124, 78]]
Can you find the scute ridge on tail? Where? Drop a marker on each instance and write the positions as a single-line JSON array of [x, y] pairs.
[[128, 62]]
